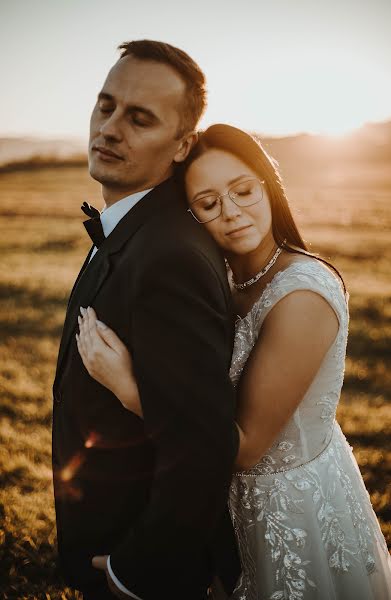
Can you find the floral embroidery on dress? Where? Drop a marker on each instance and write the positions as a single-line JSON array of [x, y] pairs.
[[253, 500], [341, 549], [284, 446], [328, 402]]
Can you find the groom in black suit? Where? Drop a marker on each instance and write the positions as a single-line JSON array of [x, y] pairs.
[[147, 497]]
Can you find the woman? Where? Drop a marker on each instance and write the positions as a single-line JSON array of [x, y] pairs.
[[303, 519]]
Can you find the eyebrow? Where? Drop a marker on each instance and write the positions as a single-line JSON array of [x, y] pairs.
[[131, 108], [211, 191]]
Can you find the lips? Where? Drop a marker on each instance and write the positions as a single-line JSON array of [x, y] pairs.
[[106, 152], [238, 231]]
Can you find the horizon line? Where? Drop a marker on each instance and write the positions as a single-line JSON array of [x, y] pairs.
[[59, 137]]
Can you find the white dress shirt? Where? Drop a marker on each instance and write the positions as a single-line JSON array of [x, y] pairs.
[[110, 217]]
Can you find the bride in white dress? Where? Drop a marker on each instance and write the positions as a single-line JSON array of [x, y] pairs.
[[305, 526]]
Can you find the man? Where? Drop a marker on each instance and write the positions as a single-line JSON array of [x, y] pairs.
[[141, 505]]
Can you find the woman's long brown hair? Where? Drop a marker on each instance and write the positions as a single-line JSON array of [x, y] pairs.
[[250, 151]]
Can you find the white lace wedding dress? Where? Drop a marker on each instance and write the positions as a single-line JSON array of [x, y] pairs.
[[304, 522]]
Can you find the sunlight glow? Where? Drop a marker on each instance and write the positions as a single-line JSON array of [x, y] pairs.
[[274, 68], [72, 467], [329, 93]]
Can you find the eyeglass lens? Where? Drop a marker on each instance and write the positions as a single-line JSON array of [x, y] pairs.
[[245, 193]]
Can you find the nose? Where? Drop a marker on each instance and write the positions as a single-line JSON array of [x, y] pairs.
[[110, 129], [229, 210]]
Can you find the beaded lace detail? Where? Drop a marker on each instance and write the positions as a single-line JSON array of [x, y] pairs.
[[306, 490]]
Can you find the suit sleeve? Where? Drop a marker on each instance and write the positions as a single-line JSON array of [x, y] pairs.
[[181, 351]]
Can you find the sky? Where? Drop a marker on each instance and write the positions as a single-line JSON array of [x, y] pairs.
[[276, 67]]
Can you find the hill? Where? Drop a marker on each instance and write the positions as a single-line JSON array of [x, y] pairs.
[[360, 160], [31, 152]]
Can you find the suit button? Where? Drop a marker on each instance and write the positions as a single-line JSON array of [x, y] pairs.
[[57, 396]]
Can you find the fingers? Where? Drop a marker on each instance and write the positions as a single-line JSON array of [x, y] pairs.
[[88, 333], [92, 332], [82, 329], [98, 345], [80, 348], [91, 345], [100, 562], [110, 337], [95, 331], [84, 340], [88, 325], [81, 342], [91, 313], [90, 317]]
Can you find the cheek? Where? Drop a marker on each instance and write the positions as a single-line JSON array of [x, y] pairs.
[[151, 153], [153, 142], [214, 230], [263, 219]]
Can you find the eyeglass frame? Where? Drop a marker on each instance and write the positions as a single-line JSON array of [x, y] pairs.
[[226, 194]]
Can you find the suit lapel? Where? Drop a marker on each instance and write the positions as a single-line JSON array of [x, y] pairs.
[[89, 282], [87, 260], [149, 205], [93, 274]]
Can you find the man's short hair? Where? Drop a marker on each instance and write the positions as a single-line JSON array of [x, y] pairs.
[[195, 94]]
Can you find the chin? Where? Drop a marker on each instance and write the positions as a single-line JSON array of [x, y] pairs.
[[243, 247], [95, 170], [104, 176]]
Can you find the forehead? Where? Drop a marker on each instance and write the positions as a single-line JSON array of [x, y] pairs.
[[215, 167], [141, 82]]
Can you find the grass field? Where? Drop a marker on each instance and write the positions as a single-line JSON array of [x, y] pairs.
[[42, 245]]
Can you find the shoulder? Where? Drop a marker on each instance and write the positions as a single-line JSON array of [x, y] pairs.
[[173, 251], [173, 238], [306, 287], [302, 309], [310, 269], [309, 274], [307, 301], [176, 255]]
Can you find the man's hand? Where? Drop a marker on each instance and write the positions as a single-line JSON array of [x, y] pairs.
[[100, 562]]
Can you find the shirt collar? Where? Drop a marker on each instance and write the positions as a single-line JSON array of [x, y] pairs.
[[110, 217]]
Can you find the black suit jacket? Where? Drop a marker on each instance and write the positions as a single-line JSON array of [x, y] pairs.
[[151, 493]]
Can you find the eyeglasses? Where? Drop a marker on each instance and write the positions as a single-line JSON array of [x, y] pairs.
[[245, 193]]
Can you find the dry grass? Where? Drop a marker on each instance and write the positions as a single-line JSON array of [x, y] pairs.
[[41, 247]]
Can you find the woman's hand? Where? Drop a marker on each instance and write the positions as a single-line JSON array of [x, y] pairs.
[[107, 359]]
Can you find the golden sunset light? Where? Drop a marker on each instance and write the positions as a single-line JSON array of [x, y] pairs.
[[195, 299]]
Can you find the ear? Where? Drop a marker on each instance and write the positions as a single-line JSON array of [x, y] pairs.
[[185, 146]]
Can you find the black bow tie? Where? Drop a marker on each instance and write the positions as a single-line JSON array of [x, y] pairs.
[[93, 225]]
